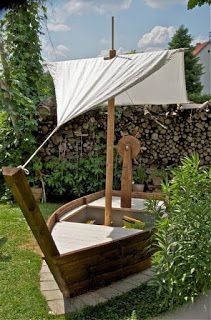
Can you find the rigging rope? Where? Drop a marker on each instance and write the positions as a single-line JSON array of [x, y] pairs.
[[36, 151]]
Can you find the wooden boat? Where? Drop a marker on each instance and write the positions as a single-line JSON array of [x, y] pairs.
[[80, 255]]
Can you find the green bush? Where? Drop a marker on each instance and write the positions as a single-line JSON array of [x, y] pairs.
[[182, 261], [75, 178]]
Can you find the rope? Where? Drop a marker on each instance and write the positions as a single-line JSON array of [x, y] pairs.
[[36, 151]]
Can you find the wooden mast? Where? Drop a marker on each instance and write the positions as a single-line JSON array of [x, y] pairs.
[[110, 146]]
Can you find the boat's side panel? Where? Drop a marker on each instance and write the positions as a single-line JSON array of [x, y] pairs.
[[72, 205], [99, 265], [97, 214], [143, 195]]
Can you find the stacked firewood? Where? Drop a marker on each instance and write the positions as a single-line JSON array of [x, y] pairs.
[[167, 133]]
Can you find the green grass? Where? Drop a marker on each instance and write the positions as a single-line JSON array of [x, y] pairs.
[[20, 296]]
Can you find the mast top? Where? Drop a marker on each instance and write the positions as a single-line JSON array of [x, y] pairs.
[[112, 52]]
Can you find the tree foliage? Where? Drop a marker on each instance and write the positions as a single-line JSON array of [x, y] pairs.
[[22, 79], [193, 3], [193, 69]]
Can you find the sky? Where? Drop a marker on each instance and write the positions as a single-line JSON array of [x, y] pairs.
[[82, 28]]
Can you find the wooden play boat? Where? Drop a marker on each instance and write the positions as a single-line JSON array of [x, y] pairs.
[[82, 255]]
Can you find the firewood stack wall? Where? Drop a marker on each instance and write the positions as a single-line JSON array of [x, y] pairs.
[[167, 133]]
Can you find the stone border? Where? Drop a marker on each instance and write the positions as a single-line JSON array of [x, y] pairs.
[[60, 305]]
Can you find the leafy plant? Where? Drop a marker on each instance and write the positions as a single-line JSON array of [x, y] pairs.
[[155, 208], [22, 80], [75, 178], [182, 260], [139, 175], [162, 173]]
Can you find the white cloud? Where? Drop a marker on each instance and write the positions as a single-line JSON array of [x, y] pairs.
[[104, 41], [51, 53], [105, 52], [100, 6], [156, 39], [163, 3], [58, 27], [80, 7], [121, 50], [61, 50], [199, 40]]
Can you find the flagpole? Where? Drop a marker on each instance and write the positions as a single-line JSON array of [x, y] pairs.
[[110, 147]]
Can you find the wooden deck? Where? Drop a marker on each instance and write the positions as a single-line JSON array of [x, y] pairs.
[[136, 203], [71, 236]]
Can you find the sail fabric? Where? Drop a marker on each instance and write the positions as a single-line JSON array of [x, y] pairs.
[[142, 78]]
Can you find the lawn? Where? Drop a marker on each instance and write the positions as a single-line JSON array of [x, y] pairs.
[[20, 296]]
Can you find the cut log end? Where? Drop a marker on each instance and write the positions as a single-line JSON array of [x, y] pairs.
[[10, 171]]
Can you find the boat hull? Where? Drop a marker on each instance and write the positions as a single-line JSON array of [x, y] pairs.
[[97, 265]]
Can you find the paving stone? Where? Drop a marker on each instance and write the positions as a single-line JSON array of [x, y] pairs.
[[60, 305], [92, 298], [44, 269], [52, 295], [149, 272], [123, 286], [48, 285], [46, 276], [73, 304], [138, 278], [108, 292]]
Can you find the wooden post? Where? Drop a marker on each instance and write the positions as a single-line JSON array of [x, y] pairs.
[[126, 180], [128, 147], [110, 146], [16, 180]]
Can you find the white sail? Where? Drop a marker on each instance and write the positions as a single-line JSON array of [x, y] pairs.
[[142, 78]]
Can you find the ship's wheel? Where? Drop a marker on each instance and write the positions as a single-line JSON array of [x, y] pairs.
[[128, 148]]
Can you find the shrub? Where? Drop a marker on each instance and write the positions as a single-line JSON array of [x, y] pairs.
[[182, 261], [75, 178]]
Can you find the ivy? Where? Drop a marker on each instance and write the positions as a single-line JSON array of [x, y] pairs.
[[22, 79]]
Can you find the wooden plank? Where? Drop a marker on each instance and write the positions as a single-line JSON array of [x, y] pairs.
[[69, 206], [51, 222], [94, 196], [105, 247], [74, 212], [70, 236], [76, 203], [132, 220], [16, 180], [108, 277], [143, 195], [126, 210]]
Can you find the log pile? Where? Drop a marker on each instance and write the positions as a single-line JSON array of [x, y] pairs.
[[167, 133]]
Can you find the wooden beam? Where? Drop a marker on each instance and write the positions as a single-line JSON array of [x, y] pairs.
[[16, 180], [126, 180], [110, 146]]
